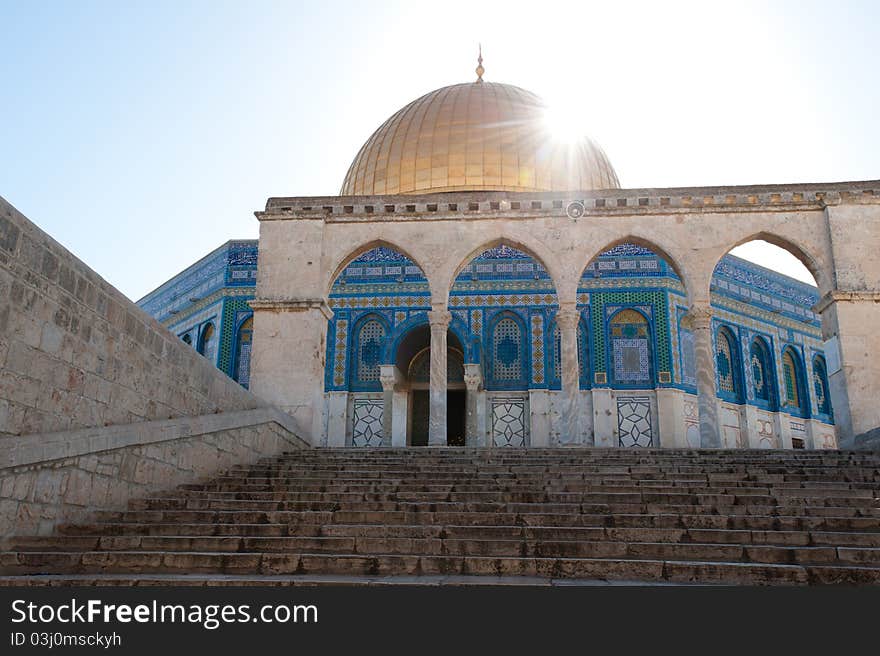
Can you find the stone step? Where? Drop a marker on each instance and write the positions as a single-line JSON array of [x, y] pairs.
[[101, 538], [254, 491], [344, 546], [650, 495], [436, 477], [719, 504], [122, 562], [226, 523], [538, 514]]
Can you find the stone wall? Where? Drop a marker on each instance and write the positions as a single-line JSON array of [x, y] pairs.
[[76, 353], [47, 479]]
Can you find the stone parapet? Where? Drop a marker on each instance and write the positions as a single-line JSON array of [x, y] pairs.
[[462, 205], [46, 479], [76, 353]]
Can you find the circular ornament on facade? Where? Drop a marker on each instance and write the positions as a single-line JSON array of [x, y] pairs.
[[575, 209]]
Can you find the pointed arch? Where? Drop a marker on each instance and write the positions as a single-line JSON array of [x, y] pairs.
[[207, 345], [546, 260], [241, 355], [649, 244], [728, 365], [507, 351], [763, 374], [630, 345], [457, 327], [369, 335], [820, 387], [806, 257], [365, 248], [796, 399]]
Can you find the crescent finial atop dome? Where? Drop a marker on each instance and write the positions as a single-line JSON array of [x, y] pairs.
[[480, 69]]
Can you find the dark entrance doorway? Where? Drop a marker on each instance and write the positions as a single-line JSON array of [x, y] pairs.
[[421, 411], [414, 360], [455, 417]]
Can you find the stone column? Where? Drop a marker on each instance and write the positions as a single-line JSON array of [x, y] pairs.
[[390, 377], [439, 320], [701, 325], [473, 381], [567, 320]]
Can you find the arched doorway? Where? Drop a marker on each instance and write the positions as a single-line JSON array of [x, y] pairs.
[[413, 360]]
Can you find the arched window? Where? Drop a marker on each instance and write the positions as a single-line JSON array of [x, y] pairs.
[[507, 351], [369, 352], [762, 374], [208, 342], [631, 349], [792, 372], [727, 365], [820, 386], [242, 371], [582, 352]]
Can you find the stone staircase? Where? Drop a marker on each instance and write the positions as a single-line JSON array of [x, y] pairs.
[[487, 516]]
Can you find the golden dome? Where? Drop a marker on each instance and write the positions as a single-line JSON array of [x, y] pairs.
[[475, 136]]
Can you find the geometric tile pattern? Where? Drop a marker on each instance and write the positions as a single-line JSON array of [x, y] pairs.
[[242, 371], [630, 348], [790, 376], [234, 312], [761, 369], [340, 351], [366, 427], [537, 348], [631, 360], [634, 421], [724, 361], [369, 350], [652, 303], [507, 350], [820, 384], [508, 422]]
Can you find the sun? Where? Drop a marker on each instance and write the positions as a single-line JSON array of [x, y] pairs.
[[564, 123]]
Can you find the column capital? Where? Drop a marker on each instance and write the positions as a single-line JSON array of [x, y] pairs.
[[390, 377], [473, 377], [700, 316], [439, 319], [567, 318]]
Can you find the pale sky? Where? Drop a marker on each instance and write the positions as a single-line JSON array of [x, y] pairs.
[[142, 135]]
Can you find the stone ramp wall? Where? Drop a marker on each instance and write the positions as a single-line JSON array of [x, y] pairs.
[[76, 353], [867, 441], [47, 479]]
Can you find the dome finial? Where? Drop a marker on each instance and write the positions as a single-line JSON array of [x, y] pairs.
[[480, 69]]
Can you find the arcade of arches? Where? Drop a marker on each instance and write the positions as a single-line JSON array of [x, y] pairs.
[[466, 288]]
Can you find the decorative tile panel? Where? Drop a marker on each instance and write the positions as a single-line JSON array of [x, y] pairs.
[[634, 421], [537, 322], [340, 351], [366, 427], [509, 427]]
